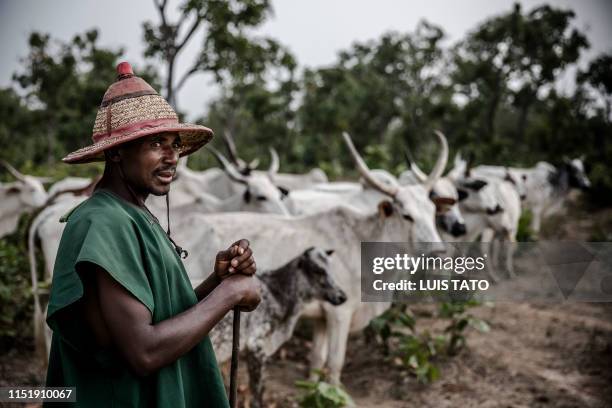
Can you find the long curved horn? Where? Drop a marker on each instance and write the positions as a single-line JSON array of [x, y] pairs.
[[440, 165], [231, 149], [469, 163], [418, 173], [365, 171], [13, 171], [227, 166], [274, 162]]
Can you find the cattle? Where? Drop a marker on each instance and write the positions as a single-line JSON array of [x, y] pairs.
[[546, 186], [284, 293], [255, 193], [286, 181], [277, 239], [407, 214], [19, 197], [443, 193]]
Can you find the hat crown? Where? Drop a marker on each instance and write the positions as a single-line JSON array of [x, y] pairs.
[[127, 85]]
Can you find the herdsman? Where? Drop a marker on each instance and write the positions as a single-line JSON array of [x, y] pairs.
[[128, 329]]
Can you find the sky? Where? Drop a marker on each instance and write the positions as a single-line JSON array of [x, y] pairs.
[[315, 30]]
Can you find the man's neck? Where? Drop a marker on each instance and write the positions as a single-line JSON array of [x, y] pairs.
[[113, 182]]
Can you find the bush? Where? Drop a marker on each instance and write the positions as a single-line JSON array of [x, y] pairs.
[[320, 394], [16, 301]]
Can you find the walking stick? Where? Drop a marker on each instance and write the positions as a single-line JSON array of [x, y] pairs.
[[234, 364]]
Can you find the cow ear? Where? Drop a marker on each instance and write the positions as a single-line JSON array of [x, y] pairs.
[[475, 184], [385, 208], [330, 252], [283, 191], [442, 201], [247, 196], [462, 194]]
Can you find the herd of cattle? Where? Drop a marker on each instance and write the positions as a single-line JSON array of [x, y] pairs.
[[306, 232]]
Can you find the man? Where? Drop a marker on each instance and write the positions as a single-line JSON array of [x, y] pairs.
[[128, 329]]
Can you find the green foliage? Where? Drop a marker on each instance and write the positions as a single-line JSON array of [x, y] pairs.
[[524, 233], [16, 302], [320, 394], [63, 83], [459, 321], [420, 352]]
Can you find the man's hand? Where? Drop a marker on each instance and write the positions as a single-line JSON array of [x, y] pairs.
[[238, 258], [247, 290]]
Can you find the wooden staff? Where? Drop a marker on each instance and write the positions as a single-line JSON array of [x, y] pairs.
[[234, 364]]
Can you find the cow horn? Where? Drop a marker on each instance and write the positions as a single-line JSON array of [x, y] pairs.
[[231, 148], [418, 173], [440, 165], [13, 171], [365, 171], [227, 166], [274, 162]]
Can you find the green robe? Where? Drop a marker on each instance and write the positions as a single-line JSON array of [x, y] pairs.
[[125, 241]]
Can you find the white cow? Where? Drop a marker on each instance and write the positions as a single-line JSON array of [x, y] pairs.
[[545, 186], [285, 181], [19, 197], [255, 193]]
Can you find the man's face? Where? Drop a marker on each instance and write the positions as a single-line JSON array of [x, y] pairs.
[[149, 163]]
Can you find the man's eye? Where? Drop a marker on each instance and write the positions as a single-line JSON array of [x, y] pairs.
[[155, 144], [177, 145]]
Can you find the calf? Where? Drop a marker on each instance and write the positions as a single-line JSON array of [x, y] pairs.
[[285, 291]]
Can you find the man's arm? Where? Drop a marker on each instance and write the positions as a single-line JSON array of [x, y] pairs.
[[147, 347]]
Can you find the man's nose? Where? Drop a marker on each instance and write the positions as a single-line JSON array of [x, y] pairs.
[[171, 156]]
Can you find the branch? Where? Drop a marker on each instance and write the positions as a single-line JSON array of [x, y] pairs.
[[161, 7], [186, 76], [192, 30]]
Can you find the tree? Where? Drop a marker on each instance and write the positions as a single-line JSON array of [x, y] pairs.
[[381, 92], [64, 86], [599, 77], [227, 51], [515, 56]]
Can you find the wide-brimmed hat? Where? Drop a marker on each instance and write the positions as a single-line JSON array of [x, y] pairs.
[[130, 109]]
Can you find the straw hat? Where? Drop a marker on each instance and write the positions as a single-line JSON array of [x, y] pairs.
[[131, 109]]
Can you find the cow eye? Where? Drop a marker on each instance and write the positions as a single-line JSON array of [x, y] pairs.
[[261, 198], [408, 217]]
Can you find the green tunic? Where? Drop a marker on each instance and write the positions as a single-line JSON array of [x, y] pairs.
[[134, 250]]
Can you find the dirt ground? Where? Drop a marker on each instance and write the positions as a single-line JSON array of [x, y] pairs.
[[536, 355]]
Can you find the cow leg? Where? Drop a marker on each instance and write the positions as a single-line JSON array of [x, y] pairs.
[[256, 361], [318, 354], [339, 322], [536, 220], [486, 247], [510, 248]]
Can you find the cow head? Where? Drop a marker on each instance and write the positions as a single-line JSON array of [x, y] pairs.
[[410, 202], [576, 173], [314, 263], [474, 194], [443, 193], [260, 194], [29, 189]]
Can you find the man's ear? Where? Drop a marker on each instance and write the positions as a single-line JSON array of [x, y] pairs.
[[113, 155], [385, 208]]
